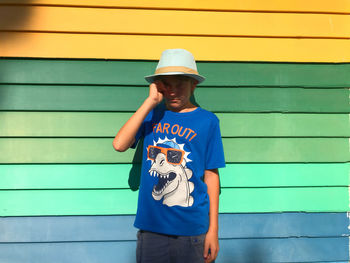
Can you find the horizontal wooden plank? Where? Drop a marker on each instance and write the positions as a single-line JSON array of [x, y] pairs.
[[120, 228], [284, 250], [286, 150], [115, 72], [67, 202], [105, 124], [265, 175], [54, 150], [334, 199], [111, 46], [216, 99], [87, 176], [245, 250], [338, 6], [92, 150], [141, 21], [123, 201], [277, 124], [92, 252], [283, 225]]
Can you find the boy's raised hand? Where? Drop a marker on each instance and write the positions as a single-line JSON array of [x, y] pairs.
[[126, 135], [156, 91]]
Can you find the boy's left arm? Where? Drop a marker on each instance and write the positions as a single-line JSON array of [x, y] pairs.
[[211, 178]]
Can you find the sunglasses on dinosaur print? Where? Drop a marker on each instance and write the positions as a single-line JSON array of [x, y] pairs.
[[173, 156]]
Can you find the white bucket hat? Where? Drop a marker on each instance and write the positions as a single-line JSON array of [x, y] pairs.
[[176, 62]]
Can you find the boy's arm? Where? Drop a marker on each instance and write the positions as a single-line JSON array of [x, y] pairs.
[[211, 178], [126, 135]]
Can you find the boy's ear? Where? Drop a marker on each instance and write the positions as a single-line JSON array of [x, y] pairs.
[[193, 84]]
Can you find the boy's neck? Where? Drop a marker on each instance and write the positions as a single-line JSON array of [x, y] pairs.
[[188, 108]]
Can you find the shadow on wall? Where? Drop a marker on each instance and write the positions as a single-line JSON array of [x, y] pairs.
[[13, 18], [249, 251], [135, 171]]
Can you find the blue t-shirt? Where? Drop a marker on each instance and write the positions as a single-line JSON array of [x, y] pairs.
[[178, 148]]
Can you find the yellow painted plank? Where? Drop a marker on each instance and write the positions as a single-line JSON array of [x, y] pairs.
[[133, 21], [62, 45], [337, 6]]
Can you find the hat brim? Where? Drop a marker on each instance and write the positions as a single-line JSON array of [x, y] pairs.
[[151, 78]]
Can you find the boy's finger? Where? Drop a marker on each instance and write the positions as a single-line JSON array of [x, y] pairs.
[[206, 250], [209, 259], [160, 85], [214, 254]]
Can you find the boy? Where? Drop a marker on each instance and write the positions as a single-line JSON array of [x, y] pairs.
[[179, 191]]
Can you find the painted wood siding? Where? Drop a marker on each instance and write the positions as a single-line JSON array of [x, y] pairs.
[[115, 33], [71, 73]]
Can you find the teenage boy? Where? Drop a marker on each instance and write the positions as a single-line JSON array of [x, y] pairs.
[[179, 191]]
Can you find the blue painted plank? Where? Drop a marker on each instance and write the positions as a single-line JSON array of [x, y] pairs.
[[120, 228], [231, 250], [85, 252], [283, 225], [284, 250]]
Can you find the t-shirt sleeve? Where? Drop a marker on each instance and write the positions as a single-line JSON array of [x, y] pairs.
[[215, 151]]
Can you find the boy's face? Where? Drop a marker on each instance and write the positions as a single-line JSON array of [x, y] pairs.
[[177, 91]]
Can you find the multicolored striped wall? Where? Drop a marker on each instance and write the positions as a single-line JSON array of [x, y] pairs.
[[278, 78]]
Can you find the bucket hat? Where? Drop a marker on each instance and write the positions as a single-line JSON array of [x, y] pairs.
[[176, 62]]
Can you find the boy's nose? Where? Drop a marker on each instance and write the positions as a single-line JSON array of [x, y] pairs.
[[171, 90]]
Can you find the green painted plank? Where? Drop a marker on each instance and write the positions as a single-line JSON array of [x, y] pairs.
[[61, 71], [87, 176], [129, 98], [284, 124], [106, 124], [287, 149], [54, 150], [102, 202], [92, 150]]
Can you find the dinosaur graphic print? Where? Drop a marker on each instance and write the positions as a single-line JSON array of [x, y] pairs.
[[169, 164]]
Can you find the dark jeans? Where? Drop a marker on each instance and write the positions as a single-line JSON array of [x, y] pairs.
[[159, 248]]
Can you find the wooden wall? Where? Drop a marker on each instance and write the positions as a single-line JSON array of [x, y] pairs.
[[278, 77]]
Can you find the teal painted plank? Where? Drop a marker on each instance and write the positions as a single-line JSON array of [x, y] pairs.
[[83, 150], [265, 175], [67, 202], [106, 124], [314, 199], [114, 72], [120, 228], [129, 98], [87, 176], [122, 201]]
